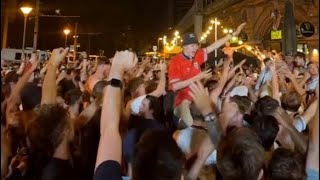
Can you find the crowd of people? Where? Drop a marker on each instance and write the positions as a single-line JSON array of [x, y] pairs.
[[121, 118]]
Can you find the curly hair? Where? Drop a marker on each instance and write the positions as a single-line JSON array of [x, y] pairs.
[[47, 130]]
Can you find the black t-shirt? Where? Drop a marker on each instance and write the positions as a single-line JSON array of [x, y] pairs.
[[108, 170], [64, 86], [88, 139], [57, 169]]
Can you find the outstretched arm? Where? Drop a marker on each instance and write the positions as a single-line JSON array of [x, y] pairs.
[[223, 40], [14, 96], [110, 140], [49, 89], [177, 85], [313, 149], [285, 120]]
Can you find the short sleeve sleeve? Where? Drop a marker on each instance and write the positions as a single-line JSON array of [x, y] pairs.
[[201, 56], [300, 123]]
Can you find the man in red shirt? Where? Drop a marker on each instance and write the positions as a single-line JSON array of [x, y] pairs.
[[184, 69]]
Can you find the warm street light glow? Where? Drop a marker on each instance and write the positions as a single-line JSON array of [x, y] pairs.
[[205, 35], [164, 37], [249, 48], [208, 32], [26, 10], [240, 42], [160, 39], [176, 33], [218, 23], [212, 21], [225, 31], [315, 51], [230, 31], [66, 31], [234, 38], [210, 27]]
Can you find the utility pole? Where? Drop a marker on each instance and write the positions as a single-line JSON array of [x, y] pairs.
[[75, 40], [36, 26], [5, 26]]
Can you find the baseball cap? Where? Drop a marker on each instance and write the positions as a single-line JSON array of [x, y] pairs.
[[189, 38]]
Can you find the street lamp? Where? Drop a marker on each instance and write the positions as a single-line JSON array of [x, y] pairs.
[[25, 10], [66, 32]]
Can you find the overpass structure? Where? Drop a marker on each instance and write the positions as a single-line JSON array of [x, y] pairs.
[[261, 16]]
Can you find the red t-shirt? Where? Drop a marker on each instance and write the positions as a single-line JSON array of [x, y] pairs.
[[181, 69]]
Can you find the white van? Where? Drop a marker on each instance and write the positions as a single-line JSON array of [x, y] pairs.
[[8, 54]]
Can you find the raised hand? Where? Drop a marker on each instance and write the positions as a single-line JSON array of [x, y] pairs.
[[239, 28], [124, 61], [200, 96], [57, 56], [241, 63], [204, 75], [34, 61]]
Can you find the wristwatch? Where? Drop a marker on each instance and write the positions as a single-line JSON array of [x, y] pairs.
[[209, 117], [115, 83]]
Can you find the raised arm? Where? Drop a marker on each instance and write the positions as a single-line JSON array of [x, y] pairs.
[[83, 71], [161, 88], [21, 67], [284, 119], [49, 88], [239, 47], [306, 76], [15, 94], [44, 70], [313, 149], [223, 40], [295, 84], [275, 84], [202, 101], [177, 85], [233, 70], [87, 114], [110, 140], [224, 78]]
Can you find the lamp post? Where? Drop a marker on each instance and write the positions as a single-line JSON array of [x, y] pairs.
[[25, 11], [66, 32], [159, 39]]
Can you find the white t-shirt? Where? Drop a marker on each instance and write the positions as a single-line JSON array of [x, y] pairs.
[[136, 103], [299, 123]]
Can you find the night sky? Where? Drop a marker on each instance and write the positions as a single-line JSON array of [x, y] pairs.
[[123, 24]]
